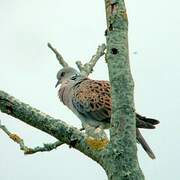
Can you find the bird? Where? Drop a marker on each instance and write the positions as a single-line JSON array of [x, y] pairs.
[[90, 100]]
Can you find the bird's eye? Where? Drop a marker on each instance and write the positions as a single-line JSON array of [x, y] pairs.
[[74, 77]]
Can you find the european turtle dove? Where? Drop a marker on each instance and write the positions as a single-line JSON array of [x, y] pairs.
[[90, 100]]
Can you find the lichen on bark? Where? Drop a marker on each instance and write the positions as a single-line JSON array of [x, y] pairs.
[[122, 150]]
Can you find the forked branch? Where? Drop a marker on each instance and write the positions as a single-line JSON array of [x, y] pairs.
[[87, 68], [28, 150]]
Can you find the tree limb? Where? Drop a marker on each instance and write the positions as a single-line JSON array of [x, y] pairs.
[[27, 150], [55, 127], [87, 68], [58, 56]]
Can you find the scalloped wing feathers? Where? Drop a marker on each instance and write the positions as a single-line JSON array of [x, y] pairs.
[[93, 99]]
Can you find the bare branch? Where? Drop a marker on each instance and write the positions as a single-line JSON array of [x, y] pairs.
[[79, 65], [46, 147], [87, 68], [27, 150], [58, 56], [55, 127], [5, 129]]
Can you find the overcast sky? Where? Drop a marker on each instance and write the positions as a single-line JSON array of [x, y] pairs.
[[28, 72]]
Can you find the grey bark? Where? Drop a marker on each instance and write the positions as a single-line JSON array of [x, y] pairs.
[[121, 162]]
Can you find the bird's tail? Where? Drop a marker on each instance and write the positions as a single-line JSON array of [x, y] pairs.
[[144, 144], [144, 122]]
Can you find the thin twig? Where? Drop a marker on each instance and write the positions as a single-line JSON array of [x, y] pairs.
[[79, 65], [16, 138], [87, 68], [58, 56], [46, 147]]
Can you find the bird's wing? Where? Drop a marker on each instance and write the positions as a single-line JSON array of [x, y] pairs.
[[92, 99]]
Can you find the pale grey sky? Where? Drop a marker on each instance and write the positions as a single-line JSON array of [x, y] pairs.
[[28, 71]]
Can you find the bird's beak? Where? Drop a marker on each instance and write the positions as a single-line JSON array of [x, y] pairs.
[[57, 84]]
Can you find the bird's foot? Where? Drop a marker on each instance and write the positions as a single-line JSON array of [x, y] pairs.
[[96, 138]]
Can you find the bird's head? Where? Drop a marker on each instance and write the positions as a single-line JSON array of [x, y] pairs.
[[67, 74]]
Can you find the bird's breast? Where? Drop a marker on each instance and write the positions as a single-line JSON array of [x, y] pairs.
[[64, 93]]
